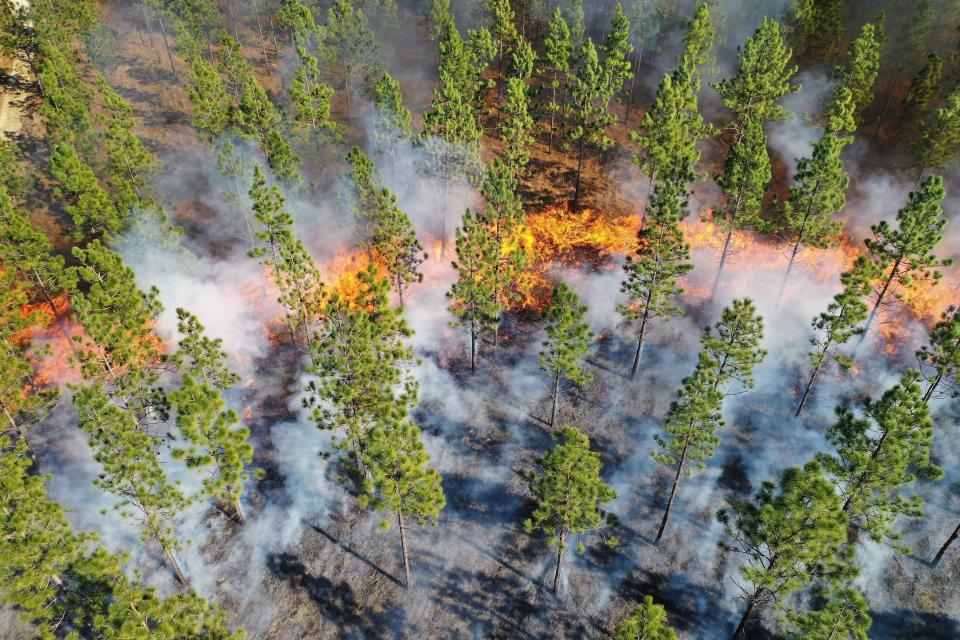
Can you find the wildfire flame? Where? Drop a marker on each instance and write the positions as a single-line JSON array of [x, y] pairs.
[[557, 236]]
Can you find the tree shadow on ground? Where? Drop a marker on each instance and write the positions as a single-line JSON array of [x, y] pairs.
[[905, 624], [337, 601]]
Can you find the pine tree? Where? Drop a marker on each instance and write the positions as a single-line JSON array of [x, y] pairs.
[[360, 364], [923, 87], [88, 203], [66, 97], [762, 78], [452, 128], [65, 583], [297, 18], [840, 322], [28, 251], [132, 470], [559, 50], [879, 454], [698, 43], [647, 621], [503, 30], [841, 613], [858, 72], [568, 341], [690, 425], [213, 439], [391, 125], [516, 128], [211, 102], [575, 18], [283, 162], [503, 216], [905, 256], [694, 418], [735, 346], [617, 50], [940, 136], [789, 536], [473, 300], [744, 181], [439, 19], [590, 94], [311, 98], [129, 164], [672, 127], [394, 243], [20, 402], [300, 286], [662, 256], [255, 116], [816, 196], [119, 347], [819, 25], [363, 197], [402, 481], [569, 493], [941, 359], [350, 46]]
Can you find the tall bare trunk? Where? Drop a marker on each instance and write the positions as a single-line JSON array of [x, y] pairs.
[[946, 545], [576, 192], [556, 396], [643, 329], [809, 387], [174, 565], [894, 272], [146, 21], [403, 550], [166, 44], [556, 574], [673, 493], [741, 628], [723, 260]]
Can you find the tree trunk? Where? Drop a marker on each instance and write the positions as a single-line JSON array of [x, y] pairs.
[[263, 47], [473, 345], [723, 260], [643, 214], [556, 574], [146, 21], [940, 373], [15, 427], [56, 315], [813, 377], [553, 109], [741, 628], [166, 45], [633, 83], [886, 103], [403, 550], [643, 328], [238, 512], [673, 494], [556, 396], [786, 276], [946, 545], [576, 191], [400, 291], [876, 307], [175, 566], [932, 387]]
